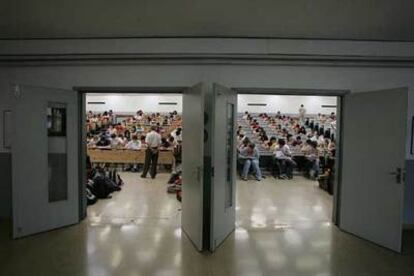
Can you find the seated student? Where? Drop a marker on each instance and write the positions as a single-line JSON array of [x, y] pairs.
[[263, 137], [312, 157], [297, 142], [177, 134], [331, 147], [114, 141], [244, 144], [289, 139], [134, 144], [92, 142], [246, 114], [314, 137], [166, 121], [171, 141], [284, 161], [119, 128], [159, 129], [165, 144], [110, 130], [271, 144], [321, 140], [240, 130], [103, 142], [139, 129], [122, 141], [251, 156], [240, 139], [254, 124], [127, 135], [143, 143]]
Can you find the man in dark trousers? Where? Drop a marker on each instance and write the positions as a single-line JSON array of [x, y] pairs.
[[153, 141]]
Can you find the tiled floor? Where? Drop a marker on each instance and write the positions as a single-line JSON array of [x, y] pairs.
[[283, 228]]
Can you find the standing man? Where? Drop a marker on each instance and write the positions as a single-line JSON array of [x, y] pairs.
[[302, 113], [153, 141]]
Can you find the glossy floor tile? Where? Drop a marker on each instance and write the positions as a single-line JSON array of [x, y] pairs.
[[283, 228]]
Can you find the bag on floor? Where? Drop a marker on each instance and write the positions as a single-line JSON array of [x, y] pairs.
[[111, 185], [120, 182], [90, 198], [173, 178], [100, 188], [179, 196]]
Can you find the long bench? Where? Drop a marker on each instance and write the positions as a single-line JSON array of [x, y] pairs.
[[123, 156]]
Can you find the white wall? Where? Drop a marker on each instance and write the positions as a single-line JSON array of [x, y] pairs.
[[285, 104], [130, 103]]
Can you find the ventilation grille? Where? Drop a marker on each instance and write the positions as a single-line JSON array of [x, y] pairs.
[[256, 104], [96, 102], [328, 106]]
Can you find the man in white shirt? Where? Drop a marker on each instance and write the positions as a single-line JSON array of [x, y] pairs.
[[153, 141], [302, 113]]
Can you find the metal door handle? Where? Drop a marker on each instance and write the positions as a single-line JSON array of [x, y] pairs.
[[198, 173], [398, 175]]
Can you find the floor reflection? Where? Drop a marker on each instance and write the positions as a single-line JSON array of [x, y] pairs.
[[282, 228]]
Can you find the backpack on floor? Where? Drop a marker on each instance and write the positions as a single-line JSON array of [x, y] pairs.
[[90, 198]]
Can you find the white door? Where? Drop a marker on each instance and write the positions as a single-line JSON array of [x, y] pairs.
[[223, 188], [374, 139], [193, 164], [44, 160]]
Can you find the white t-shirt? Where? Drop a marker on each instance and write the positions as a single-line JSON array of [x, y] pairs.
[[177, 137], [133, 145], [283, 152]]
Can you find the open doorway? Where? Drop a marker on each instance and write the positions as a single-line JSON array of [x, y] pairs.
[[134, 153], [287, 152]]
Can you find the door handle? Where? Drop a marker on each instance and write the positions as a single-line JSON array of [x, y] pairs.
[[198, 173], [398, 175]]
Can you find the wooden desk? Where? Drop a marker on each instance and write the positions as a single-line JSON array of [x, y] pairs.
[[122, 156]]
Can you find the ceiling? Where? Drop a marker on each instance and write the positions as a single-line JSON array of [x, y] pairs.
[[317, 19]]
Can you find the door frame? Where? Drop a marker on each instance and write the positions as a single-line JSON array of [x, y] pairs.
[[340, 94], [82, 91]]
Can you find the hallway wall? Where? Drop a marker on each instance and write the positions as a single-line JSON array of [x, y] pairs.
[[354, 78]]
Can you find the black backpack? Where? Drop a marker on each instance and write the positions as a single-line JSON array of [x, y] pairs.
[[90, 197]]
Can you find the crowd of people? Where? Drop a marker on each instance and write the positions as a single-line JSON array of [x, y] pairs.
[[293, 141], [150, 132]]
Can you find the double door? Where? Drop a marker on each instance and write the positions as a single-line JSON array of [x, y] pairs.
[[46, 163]]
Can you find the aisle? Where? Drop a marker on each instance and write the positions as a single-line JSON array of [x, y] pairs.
[[273, 203]]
